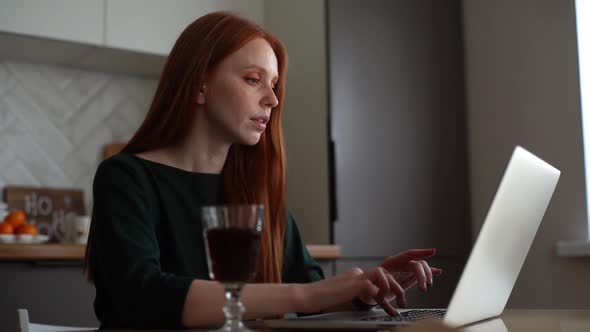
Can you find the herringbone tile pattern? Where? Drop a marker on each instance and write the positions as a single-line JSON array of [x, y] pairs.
[[55, 120]]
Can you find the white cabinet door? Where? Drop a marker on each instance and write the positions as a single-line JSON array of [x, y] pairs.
[[153, 26], [70, 20]]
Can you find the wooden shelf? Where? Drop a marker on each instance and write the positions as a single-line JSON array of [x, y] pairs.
[[324, 251], [35, 252]]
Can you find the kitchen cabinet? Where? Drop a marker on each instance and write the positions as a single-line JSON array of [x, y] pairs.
[[144, 26], [123, 36], [67, 20], [153, 26], [398, 120], [54, 292]]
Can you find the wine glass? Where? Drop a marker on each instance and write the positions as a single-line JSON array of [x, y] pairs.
[[232, 238]]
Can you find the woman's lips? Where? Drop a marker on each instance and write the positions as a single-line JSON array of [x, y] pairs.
[[261, 121], [260, 124]]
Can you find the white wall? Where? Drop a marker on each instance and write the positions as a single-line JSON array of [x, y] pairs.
[[301, 26], [523, 88]]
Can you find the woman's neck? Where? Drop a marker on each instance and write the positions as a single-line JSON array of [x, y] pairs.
[[199, 152], [196, 156]]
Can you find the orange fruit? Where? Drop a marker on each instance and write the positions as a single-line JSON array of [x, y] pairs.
[[6, 228], [16, 218], [27, 229]]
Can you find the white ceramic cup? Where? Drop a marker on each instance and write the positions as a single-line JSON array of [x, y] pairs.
[[76, 228]]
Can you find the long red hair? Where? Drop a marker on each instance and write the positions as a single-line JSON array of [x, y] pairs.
[[252, 174]]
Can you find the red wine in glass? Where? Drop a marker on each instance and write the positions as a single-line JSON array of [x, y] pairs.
[[233, 253]]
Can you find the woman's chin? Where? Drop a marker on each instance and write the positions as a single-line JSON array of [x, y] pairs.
[[252, 139]]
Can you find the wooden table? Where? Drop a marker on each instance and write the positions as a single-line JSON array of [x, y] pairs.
[[36, 252], [512, 320], [515, 320], [543, 321]]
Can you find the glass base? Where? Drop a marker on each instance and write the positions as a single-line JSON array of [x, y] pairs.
[[233, 328], [234, 309]]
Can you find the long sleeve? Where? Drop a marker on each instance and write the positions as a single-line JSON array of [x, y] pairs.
[[298, 266], [132, 289]]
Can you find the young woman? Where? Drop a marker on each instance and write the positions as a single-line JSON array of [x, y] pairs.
[[213, 136]]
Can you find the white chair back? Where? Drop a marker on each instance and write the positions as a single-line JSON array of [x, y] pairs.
[[25, 326]]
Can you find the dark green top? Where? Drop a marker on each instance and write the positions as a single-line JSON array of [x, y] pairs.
[[147, 243]]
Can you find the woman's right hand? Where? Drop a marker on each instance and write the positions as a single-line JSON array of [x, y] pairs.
[[339, 289], [381, 285]]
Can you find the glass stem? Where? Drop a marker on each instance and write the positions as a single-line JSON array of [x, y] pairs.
[[234, 309]]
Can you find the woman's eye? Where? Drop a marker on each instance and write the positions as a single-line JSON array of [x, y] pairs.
[[252, 80]]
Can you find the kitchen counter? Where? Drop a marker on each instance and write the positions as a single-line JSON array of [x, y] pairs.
[[57, 251]]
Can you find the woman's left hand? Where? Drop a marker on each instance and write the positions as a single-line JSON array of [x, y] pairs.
[[398, 273]]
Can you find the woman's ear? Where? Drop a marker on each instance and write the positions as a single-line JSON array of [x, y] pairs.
[[201, 96]]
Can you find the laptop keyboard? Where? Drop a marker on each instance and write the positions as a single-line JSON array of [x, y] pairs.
[[412, 315]]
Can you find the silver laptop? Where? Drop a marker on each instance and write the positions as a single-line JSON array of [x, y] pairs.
[[495, 261]]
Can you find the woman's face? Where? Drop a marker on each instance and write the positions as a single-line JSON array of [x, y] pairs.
[[240, 95]]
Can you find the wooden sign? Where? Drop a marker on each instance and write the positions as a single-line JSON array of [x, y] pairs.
[[46, 207]]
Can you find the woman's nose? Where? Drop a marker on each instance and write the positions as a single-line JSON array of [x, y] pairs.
[[271, 99]]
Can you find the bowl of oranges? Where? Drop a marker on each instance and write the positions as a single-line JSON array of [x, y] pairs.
[[15, 229]]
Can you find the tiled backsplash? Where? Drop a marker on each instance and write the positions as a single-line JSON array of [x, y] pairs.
[[54, 122]]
